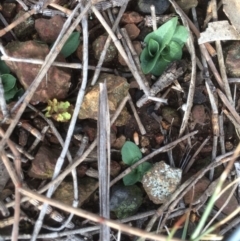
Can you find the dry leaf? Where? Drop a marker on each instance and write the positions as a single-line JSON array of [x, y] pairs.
[[232, 10], [220, 30]]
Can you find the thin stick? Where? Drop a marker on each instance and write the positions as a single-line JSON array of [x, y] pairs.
[[140, 125], [72, 123], [220, 57], [17, 22], [55, 63], [134, 55], [191, 50], [210, 49], [107, 43], [93, 217], [192, 160], [121, 51], [221, 133], [104, 158], [154, 18], [3, 103], [229, 106]]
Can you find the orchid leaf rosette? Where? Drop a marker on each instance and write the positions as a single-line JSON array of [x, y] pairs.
[[163, 46]]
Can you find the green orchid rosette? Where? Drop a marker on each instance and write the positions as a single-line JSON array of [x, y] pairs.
[[163, 46]]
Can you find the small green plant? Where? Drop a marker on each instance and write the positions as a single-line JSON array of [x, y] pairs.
[[59, 111], [130, 155], [8, 82], [71, 44], [163, 46]]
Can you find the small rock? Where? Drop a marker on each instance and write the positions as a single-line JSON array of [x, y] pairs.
[[98, 46], [186, 5], [171, 116], [123, 118], [198, 189], [119, 142], [132, 30], [49, 29], [117, 89], [198, 116], [233, 60], [44, 162], [86, 186], [131, 17], [81, 170], [57, 82], [8, 9], [125, 200], [228, 145], [160, 6], [232, 204], [145, 141], [159, 138], [138, 48], [25, 28], [161, 181], [115, 168]]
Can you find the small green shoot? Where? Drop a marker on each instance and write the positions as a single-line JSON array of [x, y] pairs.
[[59, 111], [163, 46], [130, 155], [71, 45], [8, 81]]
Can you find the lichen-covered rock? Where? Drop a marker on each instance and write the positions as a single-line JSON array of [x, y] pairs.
[[57, 82], [117, 88], [98, 46], [86, 186], [161, 181], [49, 29], [233, 60], [125, 200], [44, 162], [25, 28]]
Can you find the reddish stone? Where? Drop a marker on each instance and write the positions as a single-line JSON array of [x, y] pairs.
[[49, 29], [54, 85]]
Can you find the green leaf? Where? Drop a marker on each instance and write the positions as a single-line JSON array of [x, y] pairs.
[[175, 51], [4, 69], [71, 45], [130, 153], [153, 47], [131, 178], [8, 82], [11, 93], [181, 35], [143, 168], [164, 33], [63, 106]]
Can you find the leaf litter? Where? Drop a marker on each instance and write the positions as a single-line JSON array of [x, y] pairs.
[[153, 110]]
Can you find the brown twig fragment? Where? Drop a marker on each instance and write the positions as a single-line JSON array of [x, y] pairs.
[[121, 51], [220, 57], [229, 106], [140, 125], [173, 71]]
